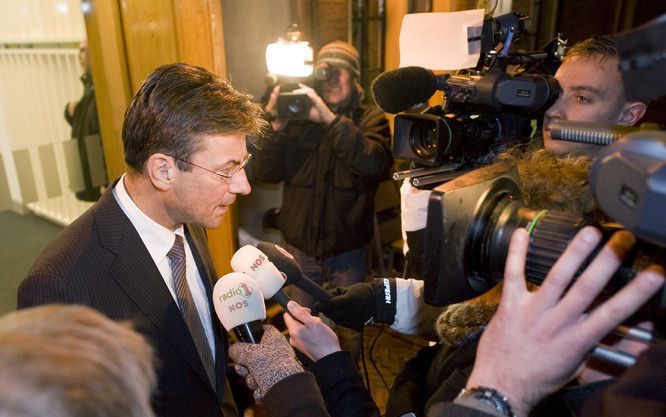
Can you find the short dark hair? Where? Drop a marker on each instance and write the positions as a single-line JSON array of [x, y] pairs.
[[179, 104], [601, 45]]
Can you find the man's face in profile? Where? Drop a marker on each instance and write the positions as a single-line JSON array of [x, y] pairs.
[[590, 91], [84, 60]]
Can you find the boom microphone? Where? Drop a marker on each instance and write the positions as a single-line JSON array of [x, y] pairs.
[[256, 264], [285, 262], [239, 306], [403, 88], [590, 133]]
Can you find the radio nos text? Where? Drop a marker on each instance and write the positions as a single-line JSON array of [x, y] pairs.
[[257, 262], [238, 305]]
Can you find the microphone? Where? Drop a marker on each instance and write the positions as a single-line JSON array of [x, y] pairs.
[[285, 262], [256, 264], [590, 133], [403, 88], [239, 306]]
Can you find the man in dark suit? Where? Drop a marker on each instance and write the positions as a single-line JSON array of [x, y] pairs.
[[184, 138]]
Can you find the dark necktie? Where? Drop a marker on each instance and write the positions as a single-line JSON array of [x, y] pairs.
[[188, 309]]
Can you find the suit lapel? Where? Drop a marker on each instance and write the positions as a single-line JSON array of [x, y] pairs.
[[135, 272], [197, 239]]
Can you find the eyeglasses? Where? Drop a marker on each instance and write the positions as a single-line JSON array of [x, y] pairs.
[[226, 173]]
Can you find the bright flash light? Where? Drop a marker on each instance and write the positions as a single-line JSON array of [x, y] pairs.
[[290, 59]]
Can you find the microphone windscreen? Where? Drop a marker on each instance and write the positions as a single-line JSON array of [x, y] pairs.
[[283, 261], [256, 264], [237, 300], [400, 89]]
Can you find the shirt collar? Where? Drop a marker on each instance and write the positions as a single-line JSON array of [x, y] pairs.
[[156, 238]]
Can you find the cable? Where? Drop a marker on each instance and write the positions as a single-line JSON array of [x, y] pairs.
[[364, 365], [372, 359]]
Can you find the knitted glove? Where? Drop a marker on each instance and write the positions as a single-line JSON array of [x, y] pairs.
[[359, 304], [266, 363], [458, 321]]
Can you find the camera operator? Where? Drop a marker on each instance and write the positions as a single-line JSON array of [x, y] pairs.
[[331, 165], [555, 178], [591, 90]]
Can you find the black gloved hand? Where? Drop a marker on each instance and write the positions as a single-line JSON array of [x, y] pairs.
[[360, 304]]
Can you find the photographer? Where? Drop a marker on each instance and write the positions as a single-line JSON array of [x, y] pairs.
[[331, 165]]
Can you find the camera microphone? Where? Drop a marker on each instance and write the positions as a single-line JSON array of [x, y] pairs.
[[239, 306], [403, 88], [590, 133]]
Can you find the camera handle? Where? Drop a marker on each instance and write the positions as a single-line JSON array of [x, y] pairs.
[[421, 172], [617, 357], [422, 177]]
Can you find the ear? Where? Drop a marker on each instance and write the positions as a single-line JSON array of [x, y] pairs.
[[631, 113], [160, 169]]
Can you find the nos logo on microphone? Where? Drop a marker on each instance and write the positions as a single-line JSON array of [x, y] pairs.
[[257, 262], [242, 290]]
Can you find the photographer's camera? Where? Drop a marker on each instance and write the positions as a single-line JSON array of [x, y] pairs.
[[293, 106]]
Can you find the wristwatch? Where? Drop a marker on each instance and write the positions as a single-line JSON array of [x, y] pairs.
[[485, 399]]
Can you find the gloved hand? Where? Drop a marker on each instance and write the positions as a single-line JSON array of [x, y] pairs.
[[265, 363], [362, 303]]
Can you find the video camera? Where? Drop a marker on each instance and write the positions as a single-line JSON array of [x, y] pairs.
[[289, 63], [471, 220], [484, 109], [290, 105], [472, 217]]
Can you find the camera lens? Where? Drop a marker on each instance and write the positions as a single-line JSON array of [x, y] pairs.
[[296, 106], [424, 138]]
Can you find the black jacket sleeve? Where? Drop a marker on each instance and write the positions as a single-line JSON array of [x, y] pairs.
[[342, 387], [295, 396], [408, 392], [362, 147], [454, 410]]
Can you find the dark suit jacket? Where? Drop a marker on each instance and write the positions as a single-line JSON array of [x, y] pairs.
[[100, 261]]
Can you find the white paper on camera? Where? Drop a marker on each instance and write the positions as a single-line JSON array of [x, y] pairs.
[[440, 41]]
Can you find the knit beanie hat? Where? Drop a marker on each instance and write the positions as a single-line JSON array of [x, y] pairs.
[[340, 54]]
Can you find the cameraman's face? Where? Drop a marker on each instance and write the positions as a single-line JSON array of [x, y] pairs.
[[337, 89], [591, 91]]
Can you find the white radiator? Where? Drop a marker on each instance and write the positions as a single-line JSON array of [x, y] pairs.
[[39, 73]]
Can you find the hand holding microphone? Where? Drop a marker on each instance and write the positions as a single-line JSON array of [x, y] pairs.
[[309, 334], [363, 303], [266, 363]]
